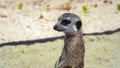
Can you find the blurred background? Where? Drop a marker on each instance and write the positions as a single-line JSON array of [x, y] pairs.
[[27, 38]]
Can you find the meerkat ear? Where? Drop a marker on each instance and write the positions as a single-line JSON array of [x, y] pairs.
[[78, 25]]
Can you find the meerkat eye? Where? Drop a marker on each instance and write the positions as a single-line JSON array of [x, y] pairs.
[[65, 22]]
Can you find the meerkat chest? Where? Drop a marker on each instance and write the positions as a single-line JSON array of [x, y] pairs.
[[73, 48], [73, 51]]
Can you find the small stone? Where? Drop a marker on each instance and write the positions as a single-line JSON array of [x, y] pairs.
[[105, 1], [96, 5], [41, 16], [111, 2]]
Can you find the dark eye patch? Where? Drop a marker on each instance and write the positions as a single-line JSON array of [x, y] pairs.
[[65, 22]]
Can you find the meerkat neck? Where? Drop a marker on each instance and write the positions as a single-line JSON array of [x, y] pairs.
[[78, 35]]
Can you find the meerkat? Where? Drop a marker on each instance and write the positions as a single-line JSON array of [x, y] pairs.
[[73, 51]]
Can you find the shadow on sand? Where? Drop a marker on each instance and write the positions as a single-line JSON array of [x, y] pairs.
[[29, 42]]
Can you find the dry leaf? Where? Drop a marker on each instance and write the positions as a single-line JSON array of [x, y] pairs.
[[23, 51]]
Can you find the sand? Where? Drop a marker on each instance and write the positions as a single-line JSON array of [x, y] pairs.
[[27, 38]]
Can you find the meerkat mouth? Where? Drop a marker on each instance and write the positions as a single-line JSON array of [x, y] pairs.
[[61, 29]]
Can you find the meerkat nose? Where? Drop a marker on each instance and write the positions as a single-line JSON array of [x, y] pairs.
[[55, 27]]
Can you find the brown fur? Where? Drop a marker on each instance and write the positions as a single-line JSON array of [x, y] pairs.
[[73, 53]]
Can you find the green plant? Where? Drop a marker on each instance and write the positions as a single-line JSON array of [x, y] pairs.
[[20, 6], [85, 9], [118, 7]]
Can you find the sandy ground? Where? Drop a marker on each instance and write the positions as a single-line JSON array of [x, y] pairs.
[[27, 38]]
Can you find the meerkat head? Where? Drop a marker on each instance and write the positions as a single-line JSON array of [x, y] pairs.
[[69, 23]]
